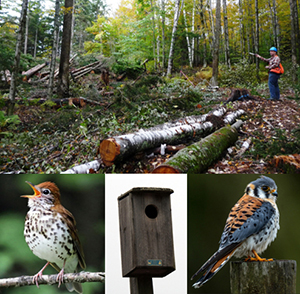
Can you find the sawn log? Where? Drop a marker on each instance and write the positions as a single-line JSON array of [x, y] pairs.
[[197, 157], [183, 130]]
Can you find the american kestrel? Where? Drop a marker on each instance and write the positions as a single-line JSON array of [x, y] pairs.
[[251, 226]]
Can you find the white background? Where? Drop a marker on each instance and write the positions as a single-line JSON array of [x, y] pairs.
[[115, 185]]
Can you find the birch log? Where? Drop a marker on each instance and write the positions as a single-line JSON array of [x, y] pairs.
[[86, 168], [116, 148], [197, 157], [29, 73]]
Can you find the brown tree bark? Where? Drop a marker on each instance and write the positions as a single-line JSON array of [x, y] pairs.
[[293, 6], [63, 77], [256, 38], [226, 34], [54, 49], [241, 27], [13, 82], [215, 65]]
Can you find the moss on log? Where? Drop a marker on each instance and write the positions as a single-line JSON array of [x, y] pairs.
[[197, 157], [273, 277]]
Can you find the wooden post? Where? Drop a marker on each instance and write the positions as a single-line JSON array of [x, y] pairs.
[[141, 285], [273, 277]]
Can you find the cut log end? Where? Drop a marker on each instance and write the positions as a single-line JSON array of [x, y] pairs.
[[109, 150], [166, 169]]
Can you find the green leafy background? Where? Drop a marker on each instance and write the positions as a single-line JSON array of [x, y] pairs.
[[210, 199], [83, 195]]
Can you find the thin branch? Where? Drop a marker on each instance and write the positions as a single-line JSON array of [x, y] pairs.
[[81, 277]]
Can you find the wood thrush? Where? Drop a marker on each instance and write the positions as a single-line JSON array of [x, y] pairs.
[[51, 234]]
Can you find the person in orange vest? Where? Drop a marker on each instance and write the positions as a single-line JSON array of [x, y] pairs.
[[274, 72]]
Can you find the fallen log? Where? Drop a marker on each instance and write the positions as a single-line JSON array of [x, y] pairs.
[[244, 148], [182, 130], [86, 168], [29, 73], [197, 157], [187, 78], [117, 148], [193, 119]]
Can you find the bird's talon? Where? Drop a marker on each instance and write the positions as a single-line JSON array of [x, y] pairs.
[[60, 277]]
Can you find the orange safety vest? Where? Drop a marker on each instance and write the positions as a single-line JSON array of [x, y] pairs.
[[278, 70]]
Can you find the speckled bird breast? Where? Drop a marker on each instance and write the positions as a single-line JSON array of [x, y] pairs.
[[48, 236]]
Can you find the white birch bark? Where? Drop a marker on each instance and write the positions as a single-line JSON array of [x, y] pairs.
[[193, 31], [175, 24], [188, 40]]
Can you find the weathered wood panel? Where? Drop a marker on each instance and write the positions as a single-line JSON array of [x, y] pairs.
[[146, 232]]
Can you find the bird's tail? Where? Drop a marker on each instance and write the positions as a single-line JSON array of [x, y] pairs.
[[211, 267], [74, 286]]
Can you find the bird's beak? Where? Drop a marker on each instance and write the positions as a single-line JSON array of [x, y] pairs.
[[274, 193], [37, 193]]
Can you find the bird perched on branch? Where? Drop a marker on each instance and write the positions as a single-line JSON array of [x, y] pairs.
[[51, 234], [251, 226]]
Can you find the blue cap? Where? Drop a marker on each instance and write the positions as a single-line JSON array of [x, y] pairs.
[[273, 49]]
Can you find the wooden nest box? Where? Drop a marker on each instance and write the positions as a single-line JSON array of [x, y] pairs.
[[146, 232]]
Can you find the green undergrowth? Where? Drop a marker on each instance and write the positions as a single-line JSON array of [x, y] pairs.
[[278, 144], [50, 140]]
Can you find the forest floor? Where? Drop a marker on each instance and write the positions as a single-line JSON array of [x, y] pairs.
[[50, 139], [270, 125]]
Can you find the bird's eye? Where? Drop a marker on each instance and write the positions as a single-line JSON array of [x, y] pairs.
[[46, 191], [265, 188]]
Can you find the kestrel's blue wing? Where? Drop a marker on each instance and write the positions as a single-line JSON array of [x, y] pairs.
[[247, 217]]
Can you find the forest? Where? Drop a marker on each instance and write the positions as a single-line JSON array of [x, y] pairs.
[[148, 87]]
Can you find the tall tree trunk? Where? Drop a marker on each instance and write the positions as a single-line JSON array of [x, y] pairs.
[[35, 43], [241, 26], [26, 33], [293, 5], [13, 82], [171, 54], [63, 77], [215, 65], [188, 40], [297, 32], [163, 33], [274, 23], [211, 19], [193, 32], [54, 49], [153, 34], [203, 34], [256, 38], [226, 34], [158, 50]]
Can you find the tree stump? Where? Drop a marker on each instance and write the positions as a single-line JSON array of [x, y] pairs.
[[273, 277]]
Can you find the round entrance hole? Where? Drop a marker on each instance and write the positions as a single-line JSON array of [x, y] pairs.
[[151, 211]]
